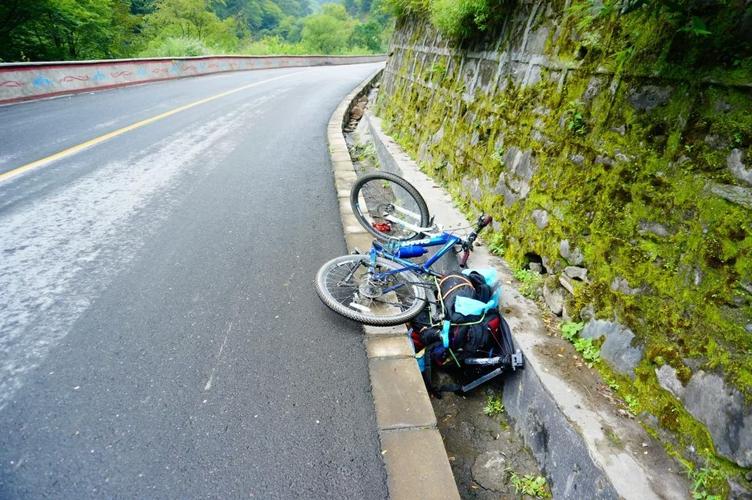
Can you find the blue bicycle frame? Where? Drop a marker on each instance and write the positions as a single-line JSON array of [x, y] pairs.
[[390, 250]]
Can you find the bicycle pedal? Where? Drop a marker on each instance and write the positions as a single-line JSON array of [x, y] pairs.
[[518, 361]]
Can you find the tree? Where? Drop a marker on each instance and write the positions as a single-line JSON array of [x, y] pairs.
[[189, 19], [367, 35], [64, 29], [329, 31]]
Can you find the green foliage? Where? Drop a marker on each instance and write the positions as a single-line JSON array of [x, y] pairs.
[[401, 8], [99, 29], [530, 282], [570, 330], [63, 29], [495, 242], [457, 20], [329, 31], [574, 118], [367, 35], [189, 19], [706, 479], [588, 349], [633, 405], [498, 155], [175, 47], [494, 406], [529, 484]]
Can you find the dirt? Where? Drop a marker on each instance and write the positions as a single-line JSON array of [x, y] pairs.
[[483, 450]]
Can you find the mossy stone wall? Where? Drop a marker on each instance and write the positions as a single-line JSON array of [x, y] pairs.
[[590, 154]]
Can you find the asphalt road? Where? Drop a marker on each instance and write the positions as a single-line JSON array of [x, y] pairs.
[[159, 331]]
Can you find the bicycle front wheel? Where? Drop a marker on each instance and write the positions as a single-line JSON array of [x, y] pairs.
[[346, 287], [388, 206]]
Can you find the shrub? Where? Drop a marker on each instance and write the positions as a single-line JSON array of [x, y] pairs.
[[460, 19], [455, 19], [175, 47]]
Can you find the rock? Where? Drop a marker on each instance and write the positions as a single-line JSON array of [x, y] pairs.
[[565, 314], [748, 327], [746, 286], [735, 163], [723, 410], [541, 218], [735, 194], [653, 228], [594, 87], [536, 267], [571, 255], [547, 265], [489, 470], [668, 380], [738, 491], [622, 286], [553, 296], [356, 113], [577, 159], [721, 106], [698, 276], [715, 141], [438, 136], [621, 129], [617, 349], [472, 186], [649, 97], [604, 160], [577, 273], [587, 313], [567, 283], [622, 157], [514, 182]]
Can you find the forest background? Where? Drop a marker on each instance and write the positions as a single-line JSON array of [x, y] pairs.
[[50, 30]]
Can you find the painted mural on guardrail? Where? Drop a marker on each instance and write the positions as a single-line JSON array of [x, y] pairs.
[[25, 81]]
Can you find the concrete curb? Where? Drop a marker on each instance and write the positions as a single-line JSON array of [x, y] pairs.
[[31, 81], [416, 461], [586, 448]]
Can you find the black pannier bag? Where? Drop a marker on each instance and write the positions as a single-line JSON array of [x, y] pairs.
[[474, 339]]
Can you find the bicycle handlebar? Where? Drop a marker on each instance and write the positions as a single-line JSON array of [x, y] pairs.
[[483, 221]]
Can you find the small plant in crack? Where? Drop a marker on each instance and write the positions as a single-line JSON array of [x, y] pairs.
[[494, 406], [529, 484], [530, 282]]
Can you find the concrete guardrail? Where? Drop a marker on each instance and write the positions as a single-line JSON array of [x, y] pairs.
[[27, 81]]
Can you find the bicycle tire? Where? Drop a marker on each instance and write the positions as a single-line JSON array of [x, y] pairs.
[[325, 289], [415, 200]]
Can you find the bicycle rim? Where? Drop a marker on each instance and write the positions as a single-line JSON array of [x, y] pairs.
[[387, 206], [343, 285]]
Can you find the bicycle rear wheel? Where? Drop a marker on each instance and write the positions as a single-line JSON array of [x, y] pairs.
[[388, 206], [346, 287]]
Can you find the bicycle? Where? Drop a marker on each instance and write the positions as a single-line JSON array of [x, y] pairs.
[[384, 287]]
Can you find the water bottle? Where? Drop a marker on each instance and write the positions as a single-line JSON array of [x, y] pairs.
[[411, 251]]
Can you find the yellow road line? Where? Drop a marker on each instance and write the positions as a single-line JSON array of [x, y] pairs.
[[97, 140]]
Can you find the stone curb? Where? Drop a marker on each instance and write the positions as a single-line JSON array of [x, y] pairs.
[[415, 459], [585, 449]]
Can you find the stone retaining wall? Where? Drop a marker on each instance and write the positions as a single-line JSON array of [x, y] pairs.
[[632, 192]]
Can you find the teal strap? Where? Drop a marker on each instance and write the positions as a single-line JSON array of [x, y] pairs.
[[445, 333]]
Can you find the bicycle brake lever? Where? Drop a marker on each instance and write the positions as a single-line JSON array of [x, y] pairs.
[[463, 259]]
